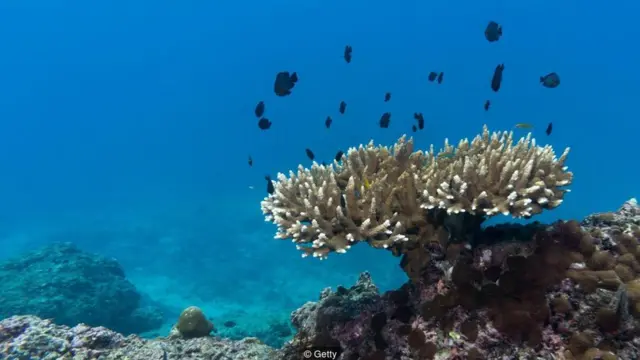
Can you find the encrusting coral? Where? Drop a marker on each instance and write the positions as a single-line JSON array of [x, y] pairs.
[[393, 197]]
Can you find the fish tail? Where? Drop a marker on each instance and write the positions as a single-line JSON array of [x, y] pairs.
[[541, 78]]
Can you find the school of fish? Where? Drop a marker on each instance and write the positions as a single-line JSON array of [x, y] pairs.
[[285, 82]]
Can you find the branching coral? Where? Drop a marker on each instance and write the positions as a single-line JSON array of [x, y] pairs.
[[387, 196]]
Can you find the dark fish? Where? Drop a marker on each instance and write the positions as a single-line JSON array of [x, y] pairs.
[[347, 53], [259, 109], [432, 76], [550, 80], [338, 156], [284, 83], [328, 121], [440, 76], [229, 324], [385, 119], [343, 202], [270, 188], [413, 128], [387, 96], [493, 32], [324, 163], [264, 124], [343, 107], [487, 104], [549, 129], [310, 154], [496, 81], [420, 119], [250, 161]]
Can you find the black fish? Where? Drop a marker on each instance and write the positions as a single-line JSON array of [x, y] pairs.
[[487, 104], [432, 76], [420, 119], [250, 161], [387, 96], [384, 120], [493, 32], [328, 121], [229, 323], [259, 109], [347, 53], [270, 188], [413, 128], [550, 80], [338, 156], [310, 154], [264, 124], [343, 107], [496, 81], [440, 76], [549, 129], [284, 83]]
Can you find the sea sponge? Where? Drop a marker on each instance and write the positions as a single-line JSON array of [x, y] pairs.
[[192, 323], [382, 195]]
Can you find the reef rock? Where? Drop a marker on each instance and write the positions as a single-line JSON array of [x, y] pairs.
[[62, 283], [29, 337]]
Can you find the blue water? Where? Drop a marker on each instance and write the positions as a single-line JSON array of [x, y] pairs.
[[125, 126]]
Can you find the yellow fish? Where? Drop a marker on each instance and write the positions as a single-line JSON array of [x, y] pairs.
[[446, 156], [524, 126], [367, 184]]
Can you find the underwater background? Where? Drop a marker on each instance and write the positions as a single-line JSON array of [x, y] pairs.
[[125, 127]]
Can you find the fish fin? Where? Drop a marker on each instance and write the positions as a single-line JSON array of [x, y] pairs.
[[541, 78]]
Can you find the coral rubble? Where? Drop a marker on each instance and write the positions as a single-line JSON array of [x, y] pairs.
[[29, 337]]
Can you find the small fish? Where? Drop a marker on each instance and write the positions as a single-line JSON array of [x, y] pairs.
[[327, 122], [524, 126], [413, 128], [251, 187], [487, 104], [338, 156], [310, 154], [432, 76], [440, 76], [264, 124], [420, 119], [366, 183], [324, 163], [284, 83], [387, 97], [343, 107], [550, 80], [549, 129], [270, 188], [259, 111], [496, 81], [447, 155], [343, 201], [250, 161], [385, 119], [493, 32], [229, 324], [347, 53]]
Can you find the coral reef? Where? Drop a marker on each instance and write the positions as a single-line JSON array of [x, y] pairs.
[[29, 337], [565, 291], [392, 196], [528, 292], [62, 283]]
